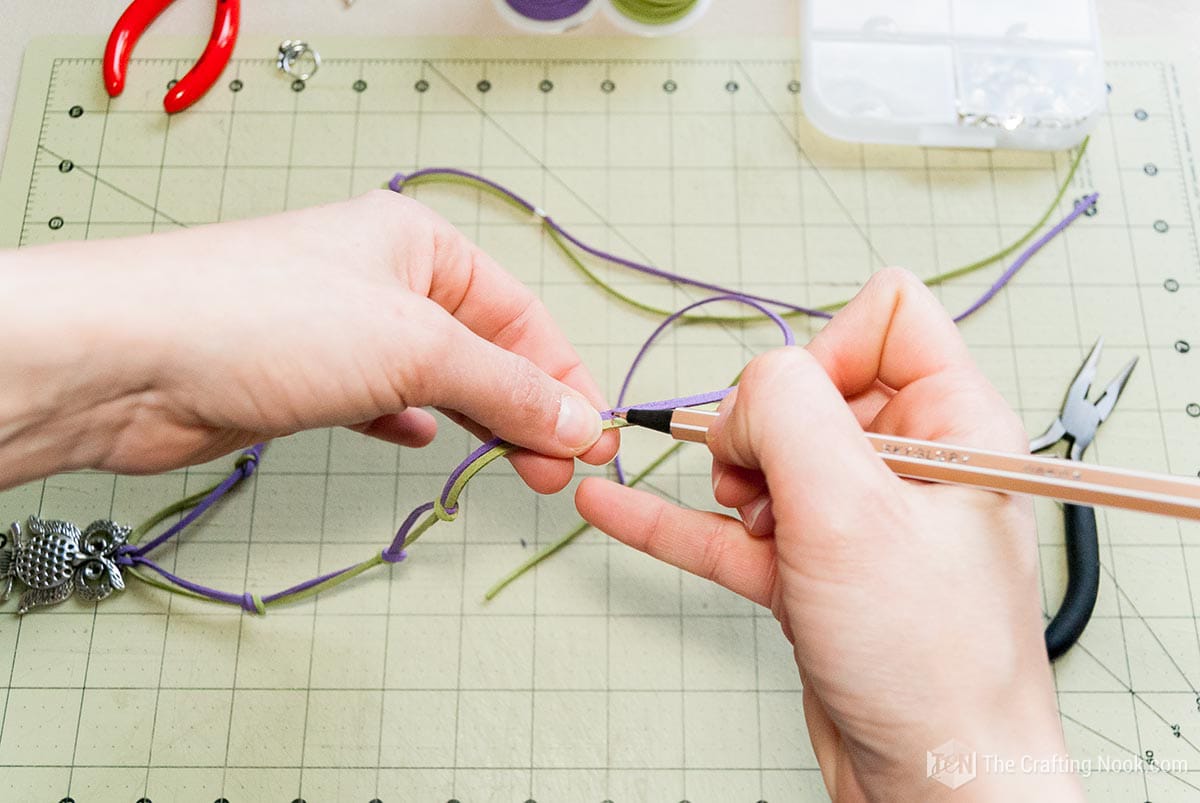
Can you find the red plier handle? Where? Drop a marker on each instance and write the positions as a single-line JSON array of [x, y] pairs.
[[191, 87]]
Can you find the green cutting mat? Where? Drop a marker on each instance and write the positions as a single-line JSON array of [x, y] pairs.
[[603, 676]]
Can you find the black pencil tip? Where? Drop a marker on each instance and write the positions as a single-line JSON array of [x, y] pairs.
[[659, 420]]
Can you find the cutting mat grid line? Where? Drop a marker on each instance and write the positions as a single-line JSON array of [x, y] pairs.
[[604, 675]]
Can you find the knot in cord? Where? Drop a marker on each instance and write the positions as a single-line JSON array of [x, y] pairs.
[[393, 557], [444, 513], [247, 461], [252, 603]]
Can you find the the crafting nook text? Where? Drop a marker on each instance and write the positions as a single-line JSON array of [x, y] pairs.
[[1085, 767]]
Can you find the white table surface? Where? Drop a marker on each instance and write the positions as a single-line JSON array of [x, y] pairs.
[[24, 20]]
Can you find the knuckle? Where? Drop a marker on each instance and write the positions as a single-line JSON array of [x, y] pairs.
[[520, 325], [383, 208], [894, 277], [655, 533], [771, 372], [525, 394], [420, 374], [712, 557]]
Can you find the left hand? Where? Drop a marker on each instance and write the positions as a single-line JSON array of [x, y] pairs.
[[149, 353]]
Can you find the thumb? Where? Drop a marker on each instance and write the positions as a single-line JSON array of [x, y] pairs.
[[788, 421], [502, 391]]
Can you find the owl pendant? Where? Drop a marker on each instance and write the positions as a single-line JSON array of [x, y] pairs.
[[56, 560]]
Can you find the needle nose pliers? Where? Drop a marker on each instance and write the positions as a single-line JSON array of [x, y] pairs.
[[1076, 424], [191, 87]]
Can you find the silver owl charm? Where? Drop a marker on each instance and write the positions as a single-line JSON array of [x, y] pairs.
[[56, 560]]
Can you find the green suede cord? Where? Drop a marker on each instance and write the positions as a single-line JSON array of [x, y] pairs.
[[654, 12], [583, 527], [440, 512]]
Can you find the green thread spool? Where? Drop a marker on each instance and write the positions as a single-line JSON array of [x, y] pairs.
[[655, 17]]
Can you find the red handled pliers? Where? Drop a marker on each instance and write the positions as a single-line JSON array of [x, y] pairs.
[[191, 87]]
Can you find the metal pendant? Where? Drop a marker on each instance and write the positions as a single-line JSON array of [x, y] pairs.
[[56, 560]]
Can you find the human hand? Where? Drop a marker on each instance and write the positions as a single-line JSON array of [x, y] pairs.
[[149, 353], [913, 608]]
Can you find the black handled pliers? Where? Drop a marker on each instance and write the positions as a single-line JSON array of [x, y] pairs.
[[1076, 424]]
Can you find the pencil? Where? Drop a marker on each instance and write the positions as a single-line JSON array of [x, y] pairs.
[[1007, 472]]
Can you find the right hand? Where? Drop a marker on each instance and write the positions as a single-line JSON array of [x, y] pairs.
[[913, 608]]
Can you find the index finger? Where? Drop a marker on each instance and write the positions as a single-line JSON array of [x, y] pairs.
[[493, 304], [894, 331], [897, 356]]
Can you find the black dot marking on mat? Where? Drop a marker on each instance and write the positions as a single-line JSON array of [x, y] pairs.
[[484, 85], [1140, 114], [1182, 346], [297, 85], [299, 800], [1150, 169], [220, 800], [67, 800], [374, 800], [1161, 226], [1193, 410], [421, 86], [607, 86], [236, 85], [453, 800], [670, 86], [66, 166], [55, 223], [1171, 286], [144, 800], [359, 86], [75, 111], [546, 85], [171, 84], [794, 87], [732, 86]]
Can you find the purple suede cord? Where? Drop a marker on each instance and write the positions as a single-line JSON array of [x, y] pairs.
[[246, 463], [789, 339], [547, 10], [135, 554], [397, 185], [398, 181], [1081, 206], [395, 551]]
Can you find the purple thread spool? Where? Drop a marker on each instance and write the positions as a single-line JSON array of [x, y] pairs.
[[547, 16]]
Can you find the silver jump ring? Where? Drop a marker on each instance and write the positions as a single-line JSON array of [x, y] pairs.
[[291, 52]]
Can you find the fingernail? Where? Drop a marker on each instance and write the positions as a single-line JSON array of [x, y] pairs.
[[578, 424], [757, 516], [718, 473]]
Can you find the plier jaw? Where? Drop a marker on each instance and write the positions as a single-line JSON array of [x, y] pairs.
[[1079, 418], [198, 80]]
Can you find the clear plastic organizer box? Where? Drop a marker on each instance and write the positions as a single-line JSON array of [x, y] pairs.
[[955, 73]]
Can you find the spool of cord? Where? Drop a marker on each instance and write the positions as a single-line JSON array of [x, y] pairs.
[[655, 17], [547, 16]]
